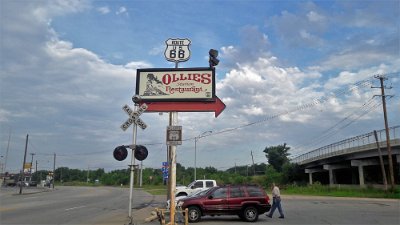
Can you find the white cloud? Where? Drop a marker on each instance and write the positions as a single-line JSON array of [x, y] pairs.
[[74, 97], [300, 30], [68, 92], [315, 17], [158, 50], [138, 65], [122, 10], [104, 10]]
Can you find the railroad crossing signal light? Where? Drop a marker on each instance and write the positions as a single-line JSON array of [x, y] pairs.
[[141, 152], [213, 57], [120, 153]]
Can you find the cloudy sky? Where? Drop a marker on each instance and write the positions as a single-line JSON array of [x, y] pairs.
[[295, 72]]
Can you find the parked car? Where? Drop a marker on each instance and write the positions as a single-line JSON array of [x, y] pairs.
[[9, 180], [32, 183], [246, 201], [195, 186]]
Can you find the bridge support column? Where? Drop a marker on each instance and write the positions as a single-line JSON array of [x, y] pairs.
[[310, 172], [332, 175], [361, 175], [360, 164]]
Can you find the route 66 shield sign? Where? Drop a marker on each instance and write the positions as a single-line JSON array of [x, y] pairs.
[[177, 50]]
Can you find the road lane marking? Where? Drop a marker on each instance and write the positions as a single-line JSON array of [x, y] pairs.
[[30, 198], [2, 209], [78, 207]]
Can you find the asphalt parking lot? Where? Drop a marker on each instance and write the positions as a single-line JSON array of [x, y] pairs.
[[312, 210]]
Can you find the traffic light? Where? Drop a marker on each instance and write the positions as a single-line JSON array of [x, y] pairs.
[[213, 57], [141, 152], [120, 153]]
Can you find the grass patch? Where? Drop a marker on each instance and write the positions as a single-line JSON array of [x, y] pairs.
[[155, 189], [77, 183], [320, 190]]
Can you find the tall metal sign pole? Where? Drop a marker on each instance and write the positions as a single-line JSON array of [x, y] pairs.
[[177, 51], [178, 90]]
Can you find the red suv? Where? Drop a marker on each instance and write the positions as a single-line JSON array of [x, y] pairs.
[[246, 201]]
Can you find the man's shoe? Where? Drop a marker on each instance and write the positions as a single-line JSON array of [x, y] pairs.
[[269, 216], [281, 217]]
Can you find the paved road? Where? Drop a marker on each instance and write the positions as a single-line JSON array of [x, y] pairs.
[[326, 211], [108, 206], [69, 205]]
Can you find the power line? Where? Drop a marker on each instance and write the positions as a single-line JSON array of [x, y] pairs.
[[326, 133], [334, 132]]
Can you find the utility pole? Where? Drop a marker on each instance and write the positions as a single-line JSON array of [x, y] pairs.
[[389, 150], [22, 177], [172, 178], [8, 147], [381, 161], [36, 172], [252, 158], [87, 175], [54, 170]]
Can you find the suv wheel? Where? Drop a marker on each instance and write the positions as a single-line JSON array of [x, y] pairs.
[[181, 194], [250, 214], [194, 214]]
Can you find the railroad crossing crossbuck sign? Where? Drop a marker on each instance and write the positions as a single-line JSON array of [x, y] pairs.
[[134, 117]]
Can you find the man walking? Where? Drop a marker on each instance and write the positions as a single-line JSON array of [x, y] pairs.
[[276, 202]]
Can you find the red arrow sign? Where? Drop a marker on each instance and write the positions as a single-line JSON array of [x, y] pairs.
[[216, 106]]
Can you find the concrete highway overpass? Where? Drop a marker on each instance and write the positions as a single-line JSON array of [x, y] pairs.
[[354, 161]]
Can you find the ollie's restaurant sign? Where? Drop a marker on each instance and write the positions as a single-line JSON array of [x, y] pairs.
[[180, 84]]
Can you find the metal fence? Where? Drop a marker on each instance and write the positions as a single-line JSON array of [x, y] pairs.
[[354, 142]]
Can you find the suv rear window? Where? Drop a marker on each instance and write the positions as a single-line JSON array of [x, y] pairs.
[[255, 192], [209, 184], [237, 192], [220, 193]]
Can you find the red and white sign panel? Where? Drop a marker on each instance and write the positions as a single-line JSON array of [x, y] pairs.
[[217, 106], [180, 84]]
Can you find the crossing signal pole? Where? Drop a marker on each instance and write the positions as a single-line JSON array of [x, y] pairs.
[[389, 150]]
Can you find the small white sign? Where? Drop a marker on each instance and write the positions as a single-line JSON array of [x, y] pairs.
[[177, 50], [174, 135]]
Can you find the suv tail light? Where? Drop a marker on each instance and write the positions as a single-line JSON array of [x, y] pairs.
[[267, 198]]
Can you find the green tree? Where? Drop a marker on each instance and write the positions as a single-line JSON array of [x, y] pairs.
[[293, 173], [272, 176], [277, 156]]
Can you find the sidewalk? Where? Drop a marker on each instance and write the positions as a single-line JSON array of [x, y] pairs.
[[25, 190]]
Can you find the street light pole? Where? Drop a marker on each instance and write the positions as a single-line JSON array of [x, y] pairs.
[[195, 151], [195, 158]]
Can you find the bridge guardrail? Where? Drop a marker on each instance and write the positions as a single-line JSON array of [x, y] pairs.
[[354, 142]]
